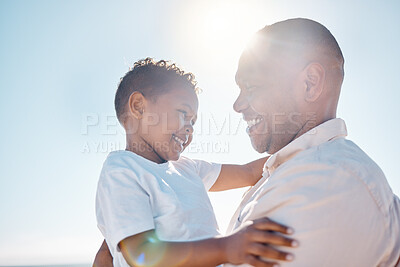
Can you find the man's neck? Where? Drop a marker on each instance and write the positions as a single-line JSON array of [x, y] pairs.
[[312, 123], [307, 126]]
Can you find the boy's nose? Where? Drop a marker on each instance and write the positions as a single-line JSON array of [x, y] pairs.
[[189, 128]]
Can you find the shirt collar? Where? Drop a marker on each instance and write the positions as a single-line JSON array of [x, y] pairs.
[[324, 132]]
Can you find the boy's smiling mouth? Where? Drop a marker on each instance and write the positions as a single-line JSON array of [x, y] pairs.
[[179, 140]]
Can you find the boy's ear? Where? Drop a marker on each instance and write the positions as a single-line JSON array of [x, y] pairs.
[[136, 104]]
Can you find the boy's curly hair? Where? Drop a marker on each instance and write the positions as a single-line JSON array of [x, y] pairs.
[[151, 79]]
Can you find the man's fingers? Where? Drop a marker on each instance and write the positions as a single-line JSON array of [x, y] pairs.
[[273, 238], [268, 224], [269, 252], [257, 262]]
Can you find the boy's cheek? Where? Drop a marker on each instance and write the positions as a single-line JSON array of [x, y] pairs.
[[170, 127]]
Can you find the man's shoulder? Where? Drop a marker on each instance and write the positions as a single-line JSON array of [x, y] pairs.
[[339, 154], [323, 193], [337, 167]]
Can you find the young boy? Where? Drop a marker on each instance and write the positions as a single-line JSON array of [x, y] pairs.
[[152, 206]]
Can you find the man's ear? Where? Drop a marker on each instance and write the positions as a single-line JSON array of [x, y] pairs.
[[136, 104], [314, 81]]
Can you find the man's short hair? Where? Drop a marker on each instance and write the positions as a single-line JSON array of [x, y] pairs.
[[301, 36], [151, 79]]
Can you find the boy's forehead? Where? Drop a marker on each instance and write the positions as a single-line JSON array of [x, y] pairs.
[[186, 97]]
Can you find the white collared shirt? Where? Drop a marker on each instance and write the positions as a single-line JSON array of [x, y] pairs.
[[335, 197]]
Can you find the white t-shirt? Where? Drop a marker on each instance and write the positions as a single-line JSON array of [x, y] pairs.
[[135, 195]]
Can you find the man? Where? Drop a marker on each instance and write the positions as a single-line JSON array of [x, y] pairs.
[[324, 186], [334, 196]]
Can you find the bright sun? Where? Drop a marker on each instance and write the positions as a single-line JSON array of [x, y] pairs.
[[227, 26]]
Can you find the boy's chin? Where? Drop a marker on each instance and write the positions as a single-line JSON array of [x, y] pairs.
[[174, 157]]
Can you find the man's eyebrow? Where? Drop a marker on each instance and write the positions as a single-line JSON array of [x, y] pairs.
[[237, 82], [240, 82], [236, 78]]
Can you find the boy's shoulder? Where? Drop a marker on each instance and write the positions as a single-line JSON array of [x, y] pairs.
[[120, 159], [124, 163], [123, 167], [193, 165]]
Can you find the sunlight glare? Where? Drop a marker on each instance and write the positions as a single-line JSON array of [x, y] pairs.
[[227, 28]]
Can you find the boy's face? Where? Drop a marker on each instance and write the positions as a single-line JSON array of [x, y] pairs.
[[167, 123]]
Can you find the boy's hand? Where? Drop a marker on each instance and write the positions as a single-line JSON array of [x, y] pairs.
[[251, 243], [103, 257]]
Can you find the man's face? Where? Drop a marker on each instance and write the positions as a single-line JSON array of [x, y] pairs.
[[267, 100]]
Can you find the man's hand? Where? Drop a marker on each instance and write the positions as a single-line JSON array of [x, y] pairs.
[[103, 257], [251, 244]]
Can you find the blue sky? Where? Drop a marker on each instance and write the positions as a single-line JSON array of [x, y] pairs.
[[60, 62]]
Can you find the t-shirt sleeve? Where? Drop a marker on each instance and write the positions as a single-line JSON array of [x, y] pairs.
[[122, 206], [208, 172]]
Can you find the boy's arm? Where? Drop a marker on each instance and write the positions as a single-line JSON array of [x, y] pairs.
[[244, 246], [103, 257], [235, 176]]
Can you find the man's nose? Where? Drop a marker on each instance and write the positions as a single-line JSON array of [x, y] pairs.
[[240, 103]]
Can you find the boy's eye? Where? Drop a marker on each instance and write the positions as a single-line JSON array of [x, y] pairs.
[[182, 111]]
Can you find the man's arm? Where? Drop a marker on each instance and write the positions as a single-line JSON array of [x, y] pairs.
[[236, 176], [103, 257]]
